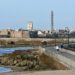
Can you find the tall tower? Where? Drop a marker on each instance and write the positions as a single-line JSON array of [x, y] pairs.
[[52, 22], [30, 25]]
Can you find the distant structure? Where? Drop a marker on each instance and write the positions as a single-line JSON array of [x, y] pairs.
[[30, 25], [52, 22]]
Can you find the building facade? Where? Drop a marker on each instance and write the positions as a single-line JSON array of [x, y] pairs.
[[30, 25]]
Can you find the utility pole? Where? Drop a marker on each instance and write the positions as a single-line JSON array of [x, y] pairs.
[[68, 37], [67, 29]]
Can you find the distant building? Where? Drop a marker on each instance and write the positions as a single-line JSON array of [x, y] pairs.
[[33, 34], [41, 34], [5, 33], [63, 33], [20, 34], [30, 25]]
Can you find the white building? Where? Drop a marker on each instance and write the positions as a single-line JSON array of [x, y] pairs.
[[41, 34], [30, 25]]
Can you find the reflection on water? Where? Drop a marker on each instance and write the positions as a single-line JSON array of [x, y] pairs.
[[3, 69], [10, 50]]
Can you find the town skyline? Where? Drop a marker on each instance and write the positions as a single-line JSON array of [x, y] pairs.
[[16, 14]]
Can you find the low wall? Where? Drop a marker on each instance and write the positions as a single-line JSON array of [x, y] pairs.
[[62, 59], [35, 39]]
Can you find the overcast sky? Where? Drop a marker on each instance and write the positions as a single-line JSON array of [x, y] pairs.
[[15, 14]]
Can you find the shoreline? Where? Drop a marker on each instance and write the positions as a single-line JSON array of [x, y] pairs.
[[20, 69]]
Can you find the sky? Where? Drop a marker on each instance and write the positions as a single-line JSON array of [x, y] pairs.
[[15, 14]]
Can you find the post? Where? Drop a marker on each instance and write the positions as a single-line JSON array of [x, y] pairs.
[[67, 29], [55, 38], [68, 37], [55, 41]]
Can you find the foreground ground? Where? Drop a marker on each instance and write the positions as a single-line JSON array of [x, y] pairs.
[[60, 72], [28, 61]]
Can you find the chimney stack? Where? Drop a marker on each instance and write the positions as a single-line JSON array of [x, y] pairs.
[[52, 22]]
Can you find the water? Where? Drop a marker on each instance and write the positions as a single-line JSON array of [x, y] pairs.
[[10, 50], [4, 70]]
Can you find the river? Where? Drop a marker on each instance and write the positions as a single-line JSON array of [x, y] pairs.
[[10, 50]]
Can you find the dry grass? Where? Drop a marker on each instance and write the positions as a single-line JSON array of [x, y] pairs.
[[28, 42], [31, 42], [52, 63]]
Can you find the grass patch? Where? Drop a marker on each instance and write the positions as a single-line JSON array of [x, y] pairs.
[[70, 48]]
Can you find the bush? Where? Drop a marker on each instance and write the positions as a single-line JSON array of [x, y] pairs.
[[44, 43], [37, 67], [18, 57], [21, 64]]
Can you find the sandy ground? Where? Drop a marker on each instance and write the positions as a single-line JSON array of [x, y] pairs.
[[61, 72]]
